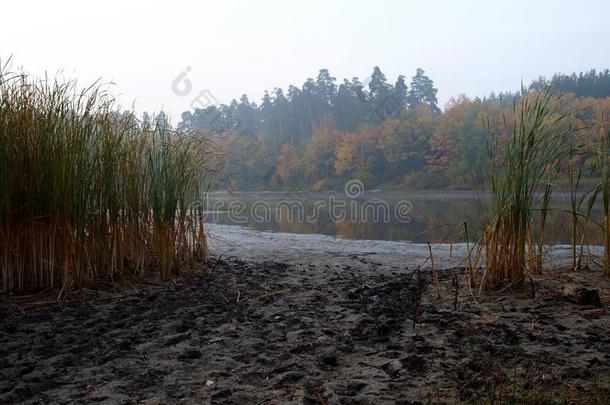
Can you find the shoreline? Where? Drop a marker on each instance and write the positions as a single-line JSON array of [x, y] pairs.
[[309, 326], [249, 244]]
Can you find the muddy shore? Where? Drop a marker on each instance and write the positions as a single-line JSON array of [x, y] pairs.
[[356, 328]]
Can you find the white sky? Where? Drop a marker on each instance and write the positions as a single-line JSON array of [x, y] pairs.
[[234, 47]]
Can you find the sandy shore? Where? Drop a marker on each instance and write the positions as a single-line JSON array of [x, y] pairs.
[[292, 248], [296, 323]]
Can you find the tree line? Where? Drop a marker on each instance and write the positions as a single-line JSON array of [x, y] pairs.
[[389, 135]]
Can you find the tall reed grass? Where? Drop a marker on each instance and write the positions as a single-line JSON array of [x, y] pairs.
[[603, 157], [581, 211], [87, 192], [521, 175]]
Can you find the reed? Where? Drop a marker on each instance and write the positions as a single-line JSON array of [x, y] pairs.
[[538, 248], [574, 177], [581, 211], [603, 156], [522, 169], [87, 192]]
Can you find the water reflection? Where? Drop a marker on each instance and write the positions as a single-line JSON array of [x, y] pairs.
[[433, 217]]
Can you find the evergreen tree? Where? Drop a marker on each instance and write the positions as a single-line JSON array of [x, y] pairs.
[[422, 91], [381, 97], [401, 94], [326, 87], [266, 114], [350, 108], [280, 117], [247, 117]]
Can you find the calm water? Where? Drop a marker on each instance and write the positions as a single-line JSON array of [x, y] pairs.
[[400, 216]]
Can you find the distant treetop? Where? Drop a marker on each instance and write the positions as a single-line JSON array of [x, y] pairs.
[[585, 84]]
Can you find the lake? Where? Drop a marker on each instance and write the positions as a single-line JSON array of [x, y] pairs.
[[374, 215]]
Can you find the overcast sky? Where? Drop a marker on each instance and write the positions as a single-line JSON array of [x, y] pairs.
[[234, 47]]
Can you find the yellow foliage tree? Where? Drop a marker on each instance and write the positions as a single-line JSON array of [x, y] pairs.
[[288, 164]]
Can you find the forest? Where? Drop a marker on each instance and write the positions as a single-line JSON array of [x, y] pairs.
[[389, 136]]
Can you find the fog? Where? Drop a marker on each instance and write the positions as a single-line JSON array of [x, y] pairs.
[[470, 47]]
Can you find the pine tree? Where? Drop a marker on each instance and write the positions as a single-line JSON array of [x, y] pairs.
[[422, 91]]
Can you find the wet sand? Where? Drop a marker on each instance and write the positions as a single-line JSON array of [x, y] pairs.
[[299, 325]]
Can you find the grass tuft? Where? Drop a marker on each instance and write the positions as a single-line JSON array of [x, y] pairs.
[[523, 169]]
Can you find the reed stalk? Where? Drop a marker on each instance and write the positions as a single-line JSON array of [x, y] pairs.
[[604, 163]]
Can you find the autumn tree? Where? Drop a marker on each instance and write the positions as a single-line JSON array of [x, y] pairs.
[[459, 131], [320, 151], [289, 165], [359, 154], [405, 140]]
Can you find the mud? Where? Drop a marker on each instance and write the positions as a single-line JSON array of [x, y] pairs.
[[354, 331]]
